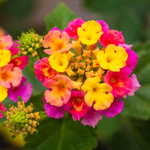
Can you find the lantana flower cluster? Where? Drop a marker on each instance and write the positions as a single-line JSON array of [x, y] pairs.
[[88, 71], [12, 82]]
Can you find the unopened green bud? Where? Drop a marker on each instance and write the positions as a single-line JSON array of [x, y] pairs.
[[29, 43]]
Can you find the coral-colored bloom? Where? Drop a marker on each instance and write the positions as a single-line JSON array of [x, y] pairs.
[[113, 58], [2, 108], [58, 61], [59, 92], [57, 41], [98, 93], [3, 93], [134, 84], [73, 26], [5, 57], [6, 42], [43, 70], [111, 37], [119, 81], [90, 32], [20, 62], [132, 57], [10, 76], [23, 90], [76, 105]]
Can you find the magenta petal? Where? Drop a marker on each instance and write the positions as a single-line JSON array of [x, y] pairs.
[[54, 111], [55, 28], [134, 84], [104, 25], [13, 49], [126, 46], [78, 114], [74, 119], [101, 112], [2, 108], [91, 118], [67, 106], [23, 90], [115, 108], [132, 57]]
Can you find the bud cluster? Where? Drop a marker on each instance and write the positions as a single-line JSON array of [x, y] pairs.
[[30, 42], [21, 119], [84, 65]]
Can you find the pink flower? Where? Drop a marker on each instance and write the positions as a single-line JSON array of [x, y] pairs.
[[20, 62], [13, 49], [111, 37], [57, 42], [91, 118], [119, 81], [132, 57], [23, 90], [2, 108], [10, 76], [43, 70], [59, 92], [115, 108], [73, 26], [104, 25], [134, 84], [53, 111], [76, 105], [6, 42]]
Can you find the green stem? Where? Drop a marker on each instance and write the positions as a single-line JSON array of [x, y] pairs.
[[38, 51]]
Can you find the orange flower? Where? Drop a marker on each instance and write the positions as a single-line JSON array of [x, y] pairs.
[[59, 90], [57, 41]]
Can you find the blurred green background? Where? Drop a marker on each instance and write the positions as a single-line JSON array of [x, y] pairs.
[[130, 129]]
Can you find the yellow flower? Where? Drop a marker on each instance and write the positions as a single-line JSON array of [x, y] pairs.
[[90, 32], [112, 58], [58, 61], [98, 93], [5, 56], [3, 93]]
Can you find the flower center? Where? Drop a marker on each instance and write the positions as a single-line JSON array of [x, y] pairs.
[[5, 76], [78, 104]]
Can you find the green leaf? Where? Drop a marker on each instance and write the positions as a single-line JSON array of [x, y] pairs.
[[61, 134], [37, 101], [59, 17], [138, 106], [132, 136], [107, 127]]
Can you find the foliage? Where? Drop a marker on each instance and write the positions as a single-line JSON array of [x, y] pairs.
[[61, 134], [59, 17]]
